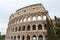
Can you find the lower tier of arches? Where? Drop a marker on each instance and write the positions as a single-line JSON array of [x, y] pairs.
[[27, 37]]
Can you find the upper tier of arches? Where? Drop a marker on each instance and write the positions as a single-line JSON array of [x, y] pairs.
[[35, 8]]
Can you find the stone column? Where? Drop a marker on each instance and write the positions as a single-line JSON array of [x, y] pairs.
[[31, 18], [31, 27], [43, 37], [37, 37], [36, 17], [25, 37], [30, 37], [42, 26], [37, 27], [26, 19], [20, 37], [26, 28], [41, 18]]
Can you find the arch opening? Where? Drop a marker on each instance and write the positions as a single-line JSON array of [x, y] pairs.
[[39, 27], [38, 18], [23, 28], [23, 37], [40, 37], [29, 19], [16, 29], [34, 27], [21, 21], [18, 37], [28, 37], [44, 17], [24, 19], [19, 28], [34, 37], [28, 28], [34, 19], [14, 37]]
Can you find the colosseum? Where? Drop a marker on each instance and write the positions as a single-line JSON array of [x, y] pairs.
[[28, 23]]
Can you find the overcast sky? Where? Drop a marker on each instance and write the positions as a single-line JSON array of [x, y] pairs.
[[7, 7]]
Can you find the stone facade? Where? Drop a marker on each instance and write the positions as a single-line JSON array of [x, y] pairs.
[[28, 23]]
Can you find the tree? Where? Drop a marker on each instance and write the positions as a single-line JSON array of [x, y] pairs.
[[57, 27], [50, 30], [2, 37], [0, 33]]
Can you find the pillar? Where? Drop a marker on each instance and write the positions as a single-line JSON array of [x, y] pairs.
[[26, 19], [20, 37], [36, 17], [37, 37], [37, 27], [31, 18], [42, 26], [30, 37], [31, 27], [43, 37], [41, 18], [25, 37]]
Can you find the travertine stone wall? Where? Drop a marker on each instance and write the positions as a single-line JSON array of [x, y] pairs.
[[28, 23]]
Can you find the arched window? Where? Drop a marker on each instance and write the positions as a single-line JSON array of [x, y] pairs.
[[14, 37], [34, 27], [16, 29], [12, 29], [28, 37], [28, 28], [18, 21], [34, 19], [21, 21], [44, 26], [44, 17], [34, 37], [29, 19], [23, 37], [19, 28], [18, 37], [38, 18], [24, 19], [39, 27], [40, 37], [11, 37], [23, 28]]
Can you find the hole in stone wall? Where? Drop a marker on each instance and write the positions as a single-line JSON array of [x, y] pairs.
[[38, 18], [29, 19], [34, 37], [21, 21], [44, 17], [34, 19], [24, 19]]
